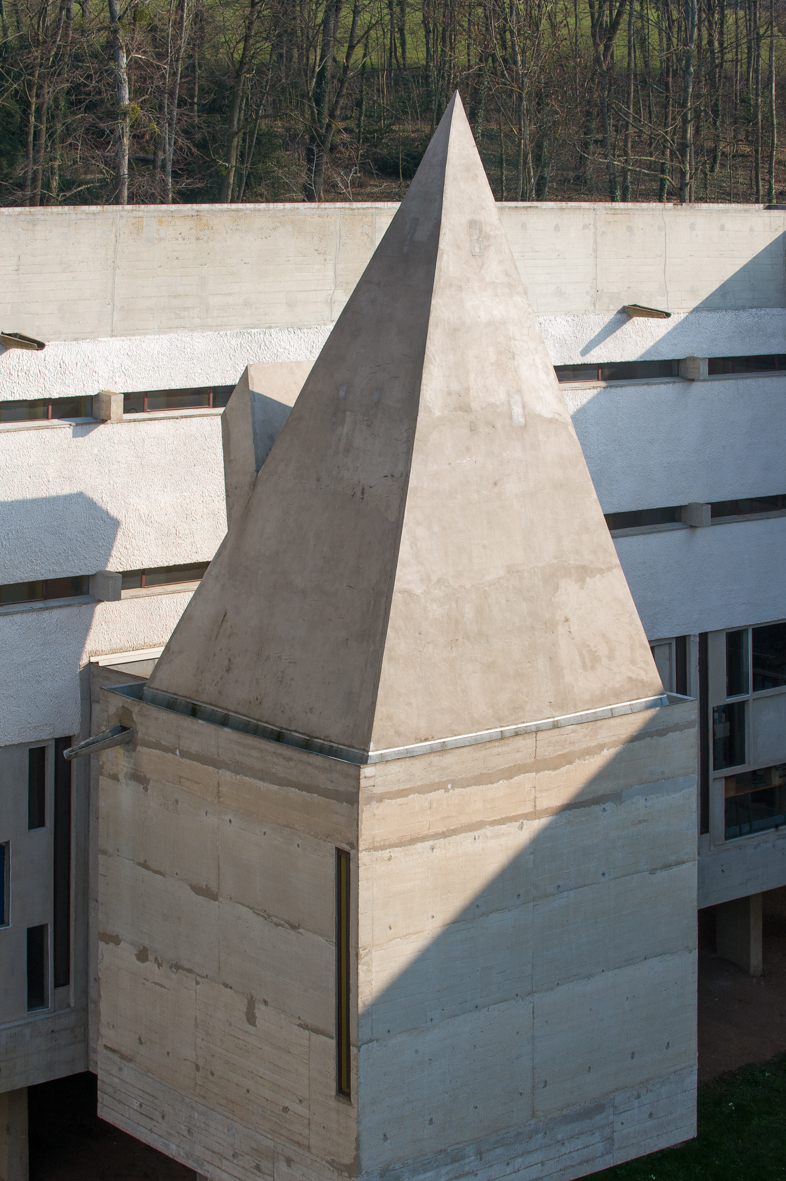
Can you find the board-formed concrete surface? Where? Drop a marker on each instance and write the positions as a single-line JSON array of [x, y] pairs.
[[522, 947]]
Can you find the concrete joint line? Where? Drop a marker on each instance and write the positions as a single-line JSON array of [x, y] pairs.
[[349, 754]]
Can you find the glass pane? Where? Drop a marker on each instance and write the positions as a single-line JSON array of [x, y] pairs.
[[639, 370], [576, 372], [131, 580], [65, 588], [643, 518], [21, 592], [164, 575], [177, 399], [737, 663], [755, 801], [222, 394], [625, 371], [769, 656], [72, 408], [761, 504], [133, 403], [720, 365], [723, 508], [728, 734], [14, 411], [37, 968], [660, 516], [755, 364], [36, 787], [4, 885]]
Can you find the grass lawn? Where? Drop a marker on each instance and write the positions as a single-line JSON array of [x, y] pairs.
[[742, 1133]]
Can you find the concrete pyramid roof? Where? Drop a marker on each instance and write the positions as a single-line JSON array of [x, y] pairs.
[[423, 554]]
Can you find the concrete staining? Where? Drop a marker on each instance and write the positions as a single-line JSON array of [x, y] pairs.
[[522, 912], [430, 456]]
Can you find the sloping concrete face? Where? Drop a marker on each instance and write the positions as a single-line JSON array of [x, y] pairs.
[[252, 421], [451, 571]]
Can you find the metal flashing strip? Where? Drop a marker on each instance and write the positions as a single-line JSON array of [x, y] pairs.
[[363, 758]]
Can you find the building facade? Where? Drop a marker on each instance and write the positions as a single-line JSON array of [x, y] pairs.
[[113, 498]]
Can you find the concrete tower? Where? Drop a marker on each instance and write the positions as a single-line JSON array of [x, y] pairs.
[[398, 870]]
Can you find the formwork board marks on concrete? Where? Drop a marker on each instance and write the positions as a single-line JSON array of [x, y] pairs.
[[426, 1115], [50, 1045], [199, 1136], [637, 1023], [579, 1141], [539, 774]]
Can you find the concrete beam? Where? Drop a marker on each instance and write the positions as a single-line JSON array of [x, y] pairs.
[[108, 407], [738, 933], [694, 368], [13, 1136]]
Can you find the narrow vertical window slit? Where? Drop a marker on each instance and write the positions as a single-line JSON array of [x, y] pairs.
[[343, 1060]]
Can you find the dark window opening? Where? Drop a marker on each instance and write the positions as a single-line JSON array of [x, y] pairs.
[[42, 409], [761, 364], [618, 371], [36, 787], [163, 575], [728, 735], [37, 968], [42, 589], [644, 517], [343, 1057], [769, 656], [753, 506], [5, 866], [681, 665], [61, 915], [755, 801], [704, 736], [737, 679], [201, 398]]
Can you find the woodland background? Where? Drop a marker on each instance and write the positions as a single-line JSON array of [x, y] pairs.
[[154, 101]]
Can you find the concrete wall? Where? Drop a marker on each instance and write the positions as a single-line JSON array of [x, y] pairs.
[[509, 988], [86, 272], [216, 947], [478, 1030]]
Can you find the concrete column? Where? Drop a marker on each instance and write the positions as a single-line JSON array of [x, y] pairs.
[[13, 1135], [738, 933]]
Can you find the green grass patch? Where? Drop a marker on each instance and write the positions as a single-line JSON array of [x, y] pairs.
[[742, 1133]]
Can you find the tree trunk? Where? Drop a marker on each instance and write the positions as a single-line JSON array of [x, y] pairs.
[[237, 95], [686, 147], [773, 112], [629, 109], [170, 131], [123, 104]]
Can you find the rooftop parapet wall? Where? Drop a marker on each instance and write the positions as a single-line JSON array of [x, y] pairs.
[[75, 273]]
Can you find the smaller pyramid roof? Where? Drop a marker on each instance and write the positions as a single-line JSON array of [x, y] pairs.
[[252, 421]]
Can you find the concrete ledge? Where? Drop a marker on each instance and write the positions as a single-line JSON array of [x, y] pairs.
[[347, 754]]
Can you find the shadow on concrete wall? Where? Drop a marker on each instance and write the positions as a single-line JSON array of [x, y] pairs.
[[54, 537], [43, 643], [750, 287], [567, 976]]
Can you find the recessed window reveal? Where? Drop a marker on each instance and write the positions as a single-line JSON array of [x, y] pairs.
[[720, 510], [45, 590]]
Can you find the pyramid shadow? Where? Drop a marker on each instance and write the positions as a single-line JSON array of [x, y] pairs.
[[527, 1014]]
